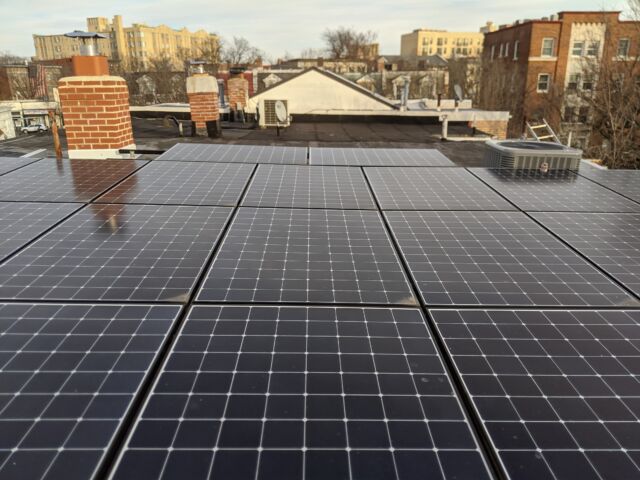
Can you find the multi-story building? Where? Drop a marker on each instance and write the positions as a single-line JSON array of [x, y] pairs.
[[424, 41], [542, 69], [138, 43]]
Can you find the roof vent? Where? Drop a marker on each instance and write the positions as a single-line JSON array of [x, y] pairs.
[[531, 155]]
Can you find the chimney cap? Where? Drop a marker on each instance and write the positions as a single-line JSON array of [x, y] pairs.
[[81, 34]]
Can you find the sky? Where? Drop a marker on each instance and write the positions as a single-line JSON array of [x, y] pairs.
[[276, 26]]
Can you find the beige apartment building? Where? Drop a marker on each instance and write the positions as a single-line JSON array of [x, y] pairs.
[[424, 41], [139, 42]]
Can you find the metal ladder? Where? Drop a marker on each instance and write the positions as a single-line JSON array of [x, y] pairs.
[[542, 132]]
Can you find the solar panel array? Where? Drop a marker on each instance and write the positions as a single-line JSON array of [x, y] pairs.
[[8, 164], [557, 391], [556, 191], [248, 312], [300, 186], [193, 152], [624, 182], [380, 157]]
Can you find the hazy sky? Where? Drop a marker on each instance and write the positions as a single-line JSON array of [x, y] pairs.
[[275, 26]]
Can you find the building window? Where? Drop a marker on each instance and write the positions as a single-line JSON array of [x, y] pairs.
[[623, 47], [587, 82], [547, 47], [516, 46], [501, 50], [569, 114], [493, 52], [440, 42], [594, 49], [544, 79], [578, 48], [506, 50], [574, 81], [583, 115]]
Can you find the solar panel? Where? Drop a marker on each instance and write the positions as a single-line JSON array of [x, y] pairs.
[[8, 164], [315, 256], [610, 240], [302, 393], [52, 180], [625, 182], [68, 376], [117, 252], [22, 222], [309, 187], [182, 183], [496, 258], [412, 188], [556, 191], [381, 157], [557, 390], [193, 152]]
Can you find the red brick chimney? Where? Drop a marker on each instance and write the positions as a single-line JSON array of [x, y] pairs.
[[95, 108], [202, 91], [238, 92]]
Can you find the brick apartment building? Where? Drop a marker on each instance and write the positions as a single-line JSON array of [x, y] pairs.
[[541, 68]]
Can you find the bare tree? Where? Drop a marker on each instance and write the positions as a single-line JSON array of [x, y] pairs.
[[240, 52], [311, 53], [614, 97], [8, 58], [343, 42]]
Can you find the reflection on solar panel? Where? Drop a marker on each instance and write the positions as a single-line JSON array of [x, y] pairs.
[[235, 153], [183, 183], [291, 392], [625, 182], [556, 390], [22, 222], [52, 180], [432, 189], [610, 240], [8, 164], [309, 187], [381, 157], [117, 252], [68, 375], [283, 255], [556, 191], [496, 258]]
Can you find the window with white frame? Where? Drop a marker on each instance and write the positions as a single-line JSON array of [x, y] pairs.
[[501, 50], [623, 47], [574, 81], [516, 46], [506, 49], [594, 49], [493, 52], [587, 82], [578, 48], [544, 79], [547, 47]]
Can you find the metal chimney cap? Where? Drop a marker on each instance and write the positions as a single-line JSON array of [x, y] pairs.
[[81, 34]]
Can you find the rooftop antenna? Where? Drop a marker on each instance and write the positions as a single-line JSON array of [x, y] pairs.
[[88, 47]]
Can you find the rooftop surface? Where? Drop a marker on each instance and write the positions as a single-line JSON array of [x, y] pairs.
[[262, 312]]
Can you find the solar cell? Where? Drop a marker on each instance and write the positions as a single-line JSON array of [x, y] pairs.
[[556, 191], [22, 222], [557, 391], [68, 377], [625, 182], [381, 157], [610, 240], [434, 188], [496, 258], [225, 153], [309, 187], [316, 256], [182, 183], [268, 392], [117, 252], [8, 164], [52, 180]]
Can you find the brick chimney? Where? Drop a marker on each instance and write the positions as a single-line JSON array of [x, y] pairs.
[[238, 87], [95, 108], [202, 91]]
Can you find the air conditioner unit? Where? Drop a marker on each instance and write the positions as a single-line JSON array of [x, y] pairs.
[[275, 113], [531, 155]]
